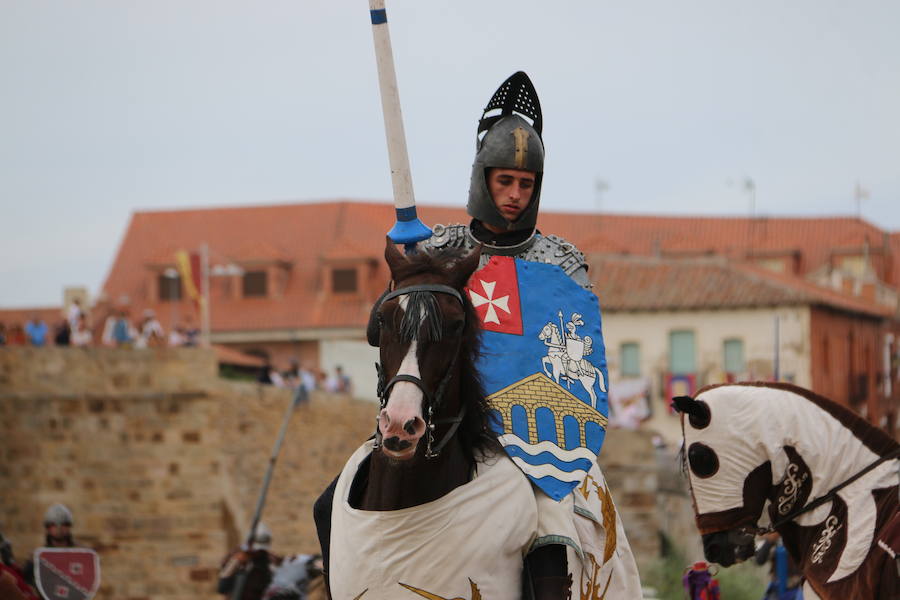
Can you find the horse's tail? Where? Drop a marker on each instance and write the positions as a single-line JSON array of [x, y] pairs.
[[601, 381]]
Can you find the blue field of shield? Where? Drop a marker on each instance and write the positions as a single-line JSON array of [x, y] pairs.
[[550, 434]]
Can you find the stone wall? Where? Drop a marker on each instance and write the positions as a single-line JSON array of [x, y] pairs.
[[161, 463]]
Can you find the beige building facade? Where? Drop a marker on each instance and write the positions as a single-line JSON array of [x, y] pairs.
[[751, 333]]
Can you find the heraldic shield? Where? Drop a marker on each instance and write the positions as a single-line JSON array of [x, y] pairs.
[[66, 573], [543, 365]]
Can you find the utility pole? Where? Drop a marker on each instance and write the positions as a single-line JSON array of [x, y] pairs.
[[859, 194], [204, 293]]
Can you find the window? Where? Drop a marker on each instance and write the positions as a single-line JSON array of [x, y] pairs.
[[254, 284], [682, 360], [169, 288], [343, 280], [630, 355], [733, 352]]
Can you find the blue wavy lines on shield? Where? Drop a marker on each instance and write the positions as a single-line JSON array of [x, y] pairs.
[[547, 458], [546, 425], [519, 417], [593, 436]]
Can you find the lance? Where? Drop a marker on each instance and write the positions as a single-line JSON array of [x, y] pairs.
[[408, 229], [240, 581]]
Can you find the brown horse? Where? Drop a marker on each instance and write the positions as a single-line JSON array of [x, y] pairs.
[[423, 509], [810, 469]]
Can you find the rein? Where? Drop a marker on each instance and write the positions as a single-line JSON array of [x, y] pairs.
[[829, 495], [431, 401]]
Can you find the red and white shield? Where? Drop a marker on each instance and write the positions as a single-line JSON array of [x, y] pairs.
[[66, 573]]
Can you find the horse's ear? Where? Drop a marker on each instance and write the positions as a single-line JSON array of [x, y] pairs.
[[393, 256], [463, 269], [682, 404], [697, 410]]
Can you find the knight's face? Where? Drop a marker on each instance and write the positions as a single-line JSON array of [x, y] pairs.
[[511, 191], [58, 533]]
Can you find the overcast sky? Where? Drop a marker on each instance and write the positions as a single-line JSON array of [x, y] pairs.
[[112, 106]]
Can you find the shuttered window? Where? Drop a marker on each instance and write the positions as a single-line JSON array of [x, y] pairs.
[[630, 355], [733, 359], [682, 353]]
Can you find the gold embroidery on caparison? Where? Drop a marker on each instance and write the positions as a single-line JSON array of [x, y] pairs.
[[609, 521], [521, 146], [590, 588], [476, 595]]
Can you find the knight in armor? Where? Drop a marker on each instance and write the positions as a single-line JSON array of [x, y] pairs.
[[256, 562], [58, 524], [504, 200], [505, 188]]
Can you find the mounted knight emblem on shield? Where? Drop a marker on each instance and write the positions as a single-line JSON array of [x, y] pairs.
[[543, 365], [66, 573]]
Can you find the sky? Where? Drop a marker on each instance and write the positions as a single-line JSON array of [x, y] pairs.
[[108, 107]]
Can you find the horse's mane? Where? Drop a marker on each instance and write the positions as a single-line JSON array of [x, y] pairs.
[[875, 439], [475, 433]]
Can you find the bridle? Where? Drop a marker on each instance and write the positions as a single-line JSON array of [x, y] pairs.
[[432, 401]]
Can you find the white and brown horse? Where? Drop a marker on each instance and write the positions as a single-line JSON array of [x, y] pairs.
[[763, 456]]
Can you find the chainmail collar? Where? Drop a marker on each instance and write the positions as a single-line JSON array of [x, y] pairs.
[[509, 243]]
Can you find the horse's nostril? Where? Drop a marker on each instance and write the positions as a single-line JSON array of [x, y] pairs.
[[411, 426], [395, 444]]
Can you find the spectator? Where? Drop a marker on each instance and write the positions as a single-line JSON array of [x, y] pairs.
[[785, 578], [270, 375], [177, 337], [308, 378], [340, 382], [191, 333], [81, 334], [36, 331], [16, 336], [118, 330], [75, 312], [150, 332], [63, 333], [2, 334]]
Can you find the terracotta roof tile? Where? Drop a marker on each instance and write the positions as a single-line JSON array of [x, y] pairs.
[[628, 283], [305, 235]]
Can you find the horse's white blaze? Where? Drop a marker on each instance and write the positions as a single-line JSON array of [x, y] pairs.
[[750, 425], [406, 397], [405, 400]]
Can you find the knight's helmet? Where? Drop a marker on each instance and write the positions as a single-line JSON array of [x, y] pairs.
[[509, 137], [58, 514], [262, 537]]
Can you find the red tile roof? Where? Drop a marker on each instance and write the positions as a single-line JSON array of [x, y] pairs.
[[308, 235], [631, 283]]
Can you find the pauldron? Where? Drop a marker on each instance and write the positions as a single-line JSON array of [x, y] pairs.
[[549, 249]]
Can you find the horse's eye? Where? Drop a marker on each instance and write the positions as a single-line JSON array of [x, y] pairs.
[[700, 416], [703, 460], [457, 326]]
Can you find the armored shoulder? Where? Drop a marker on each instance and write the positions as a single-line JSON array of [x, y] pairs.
[[555, 250], [448, 236]]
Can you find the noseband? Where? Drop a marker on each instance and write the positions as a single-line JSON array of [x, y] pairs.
[[432, 401]]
